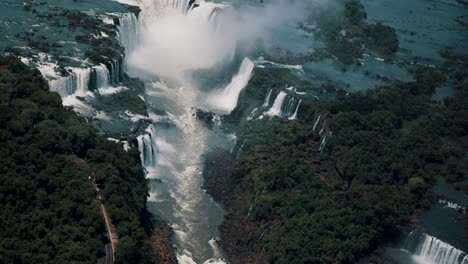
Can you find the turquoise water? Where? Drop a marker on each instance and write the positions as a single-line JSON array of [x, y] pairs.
[[424, 26]]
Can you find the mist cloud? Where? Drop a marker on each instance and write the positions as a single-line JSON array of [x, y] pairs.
[[174, 42]]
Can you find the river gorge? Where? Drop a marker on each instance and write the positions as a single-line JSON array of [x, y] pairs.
[[178, 80]]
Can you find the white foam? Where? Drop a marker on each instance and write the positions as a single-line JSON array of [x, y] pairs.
[[111, 90]]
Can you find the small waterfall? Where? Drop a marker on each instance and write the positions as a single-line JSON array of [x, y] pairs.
[[285, 106], [128, 31], [266, 103], [114, 72], [76, 83], [64, 86], [252, 114], [434, 251], [323, 143], [290, 107], [294, 116], [81, 78], [102, 76], [316, 123], [323, 128], [148, 148], [275, 110]]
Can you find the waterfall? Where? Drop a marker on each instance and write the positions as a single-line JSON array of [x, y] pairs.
[[226, 100], [77, 83], [148, 148], [179, 5], [316, 123], [266, 103], [323, 128], [102, 76], [128, 31], [290, 107], [275, 110], [114, 72], [252, 114], [64, 86], [434, 251], [294, 116], [77, 80], [285, 106], [174, 45], [81, 78], [323, 143]]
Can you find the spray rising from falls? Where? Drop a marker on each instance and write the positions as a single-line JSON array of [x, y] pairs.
[[431, 250], [174, 42]]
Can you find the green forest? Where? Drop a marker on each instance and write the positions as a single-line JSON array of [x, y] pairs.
[[49, 158], [368, 184]]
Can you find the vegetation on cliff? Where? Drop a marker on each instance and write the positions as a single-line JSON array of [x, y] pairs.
[[50, 213], [287, 199]]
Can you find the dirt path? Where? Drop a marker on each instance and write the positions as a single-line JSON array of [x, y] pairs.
[[114, 239]]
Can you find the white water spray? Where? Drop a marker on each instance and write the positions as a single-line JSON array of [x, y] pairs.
[[174, 43]]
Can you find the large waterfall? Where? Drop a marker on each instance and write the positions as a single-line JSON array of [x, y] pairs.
[[226, 100], [430, 250], [174, 42]]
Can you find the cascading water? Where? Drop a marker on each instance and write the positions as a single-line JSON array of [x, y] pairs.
[[102, 76], [284, 105], [81, 78], [226, 100], [294, 115], [430, 250], [266, 103], [290, 107], [316, 122], [323, 143], [128, 31], [252, 114], [114, 72], [147, 147], [175, 41], [64, 86], [76, 83], [275, 110], [323, 128]]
